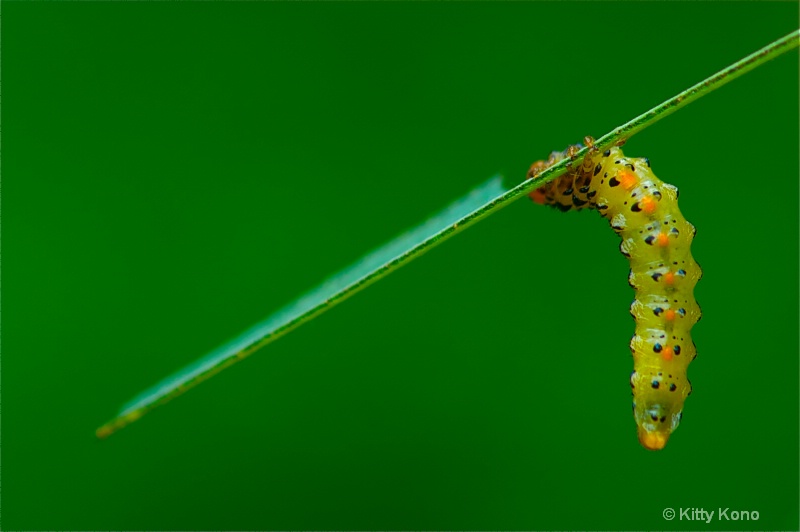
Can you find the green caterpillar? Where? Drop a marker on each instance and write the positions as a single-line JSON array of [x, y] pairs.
[[656, 238]]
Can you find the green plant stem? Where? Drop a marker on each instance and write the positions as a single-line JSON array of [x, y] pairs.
[[624, 132], [721, 78], [401, 251]]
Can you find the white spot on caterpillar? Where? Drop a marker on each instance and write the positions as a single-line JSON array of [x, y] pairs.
[[618, 222], [626, 247]]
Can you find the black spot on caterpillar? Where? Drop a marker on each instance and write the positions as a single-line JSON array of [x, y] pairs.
[[654, 275]]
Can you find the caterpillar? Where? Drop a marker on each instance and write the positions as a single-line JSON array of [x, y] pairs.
[[656, 239]]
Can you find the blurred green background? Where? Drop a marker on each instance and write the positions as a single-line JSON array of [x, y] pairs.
[[172, 173]]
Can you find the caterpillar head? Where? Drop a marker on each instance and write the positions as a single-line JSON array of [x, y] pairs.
[[656, 421]]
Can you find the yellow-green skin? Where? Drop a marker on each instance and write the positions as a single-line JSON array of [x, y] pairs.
[[656, 238]]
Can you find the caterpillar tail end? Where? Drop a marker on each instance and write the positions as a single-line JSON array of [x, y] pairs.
[[652, 440]]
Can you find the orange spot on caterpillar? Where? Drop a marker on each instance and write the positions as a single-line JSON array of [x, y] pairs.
[[627, 179], [538, 196], [648, 205], [669, 278], [669, 315], [662, 240], [667, 353]]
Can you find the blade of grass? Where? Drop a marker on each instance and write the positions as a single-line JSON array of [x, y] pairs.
[[475, 206], [621, 134], [331, 292]]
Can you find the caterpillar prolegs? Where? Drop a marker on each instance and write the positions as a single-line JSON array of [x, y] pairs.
[[656, 238]]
